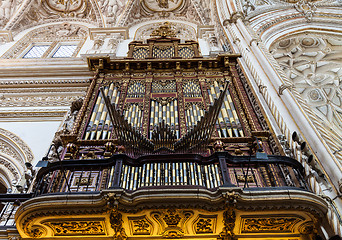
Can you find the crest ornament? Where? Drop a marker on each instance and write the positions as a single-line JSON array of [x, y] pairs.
[[162, 5], [164, 30]]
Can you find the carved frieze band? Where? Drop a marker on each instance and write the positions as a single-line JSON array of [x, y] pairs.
[[67, 228], [269, 224]]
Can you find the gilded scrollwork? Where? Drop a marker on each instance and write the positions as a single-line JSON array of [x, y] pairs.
[[34, 231], [66, 228], [269, 224], [205, 225], [172, 221], [164, 100], [140, 225], [306, 228]]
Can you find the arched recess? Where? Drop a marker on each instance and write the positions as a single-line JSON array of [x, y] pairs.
[[52, 36], [310, 60], [183, 30], [14, 153]]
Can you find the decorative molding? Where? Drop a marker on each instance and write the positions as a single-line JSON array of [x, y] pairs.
[[27, 115], [5, 36], [37, 101]]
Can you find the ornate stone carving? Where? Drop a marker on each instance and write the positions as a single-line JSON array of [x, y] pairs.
[[307, 8], [7, 9], [57, 32], [181, 31], [34, 231], [30, 101], [269, 224], [5, 36], [111, 9], [66, 228], [65, 7], [106, 40], [18, 142], [306, 228], [140, 12], [316, 76], [161, 5]]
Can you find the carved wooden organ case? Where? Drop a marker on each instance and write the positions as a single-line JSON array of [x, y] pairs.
[[172, 125], [164, 92]]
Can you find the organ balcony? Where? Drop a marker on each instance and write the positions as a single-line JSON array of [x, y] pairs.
[[114, 196], [168, 144]]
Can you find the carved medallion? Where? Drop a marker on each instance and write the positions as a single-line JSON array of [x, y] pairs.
[[65, 6], [162, 5]]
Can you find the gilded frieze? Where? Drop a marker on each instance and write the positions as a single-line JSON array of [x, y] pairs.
[[269, 224], [67, 228]]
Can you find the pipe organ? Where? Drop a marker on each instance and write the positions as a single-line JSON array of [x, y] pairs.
[[228, 123], [170, 174], [100, 127], [169, 138]]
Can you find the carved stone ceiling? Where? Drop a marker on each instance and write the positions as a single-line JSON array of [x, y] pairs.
[[314, 65], [17, 15]]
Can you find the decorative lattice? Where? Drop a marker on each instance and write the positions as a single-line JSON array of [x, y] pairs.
[[186, 52], [192, 89], [163, 88], [136, 90], [36, 51], [141, 53], [65, 51], [163, 52]]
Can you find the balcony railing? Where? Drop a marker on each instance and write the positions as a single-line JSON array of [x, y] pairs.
[[174, 170]]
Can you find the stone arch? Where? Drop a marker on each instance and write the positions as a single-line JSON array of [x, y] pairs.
[[39, 12], [58, 32], [14, 153]]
